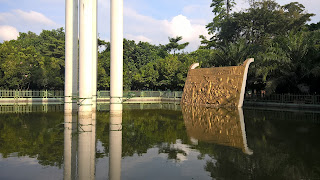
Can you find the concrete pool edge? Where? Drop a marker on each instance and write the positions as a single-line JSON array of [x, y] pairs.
[[4, 101], [26, 101]]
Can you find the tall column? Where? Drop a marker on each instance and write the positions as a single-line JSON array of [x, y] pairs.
[[94, 55], [71, 55], [116, 67], [85, 67]]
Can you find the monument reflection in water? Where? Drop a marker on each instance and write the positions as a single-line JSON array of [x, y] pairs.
[[224, 126], [79, 146]]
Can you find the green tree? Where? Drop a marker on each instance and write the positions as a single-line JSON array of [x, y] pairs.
[[18, 65], [290, 62], [103, 79], [168, 69], [53, 49], [174, 46], [147, 77], [138, 64], [313, 26], [33, 61], [273, 35], [258, 24], [221, 10]]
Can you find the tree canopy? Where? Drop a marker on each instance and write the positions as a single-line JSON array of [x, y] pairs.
[[285, 48], [33, 61]]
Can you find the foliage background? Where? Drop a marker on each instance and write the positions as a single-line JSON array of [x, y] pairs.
[[284, 46]]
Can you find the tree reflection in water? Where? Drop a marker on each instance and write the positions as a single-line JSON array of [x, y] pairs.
[[210, 141]]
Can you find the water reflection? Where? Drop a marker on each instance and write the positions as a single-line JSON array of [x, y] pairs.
[[79, 146], [41, 145], [115, 140], [70, 146], [216, 125]]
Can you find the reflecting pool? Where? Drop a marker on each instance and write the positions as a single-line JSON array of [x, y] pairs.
[[159, 141]]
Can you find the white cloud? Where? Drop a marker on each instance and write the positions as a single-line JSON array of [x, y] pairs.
[[136, 25], [202, 22], [6, 17], [144, 24], [8, 33], [145, 28], [34, 17], [181, 26], [27, 21]]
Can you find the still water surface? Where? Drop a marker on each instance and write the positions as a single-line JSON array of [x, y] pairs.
[[161, 142]]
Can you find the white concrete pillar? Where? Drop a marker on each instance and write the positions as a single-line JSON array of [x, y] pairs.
[[71, 55], [85, 67], [94, 55], [116, 66], [115, 140]]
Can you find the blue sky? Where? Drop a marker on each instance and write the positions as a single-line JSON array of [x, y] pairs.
[[144, 20]]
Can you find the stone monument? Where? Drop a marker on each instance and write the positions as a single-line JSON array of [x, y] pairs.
[[217, 86]]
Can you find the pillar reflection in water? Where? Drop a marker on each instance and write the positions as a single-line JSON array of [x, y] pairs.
[[70, 145], [93, 144], [86, 146], [79, 145], [115, 140], [216, 125]]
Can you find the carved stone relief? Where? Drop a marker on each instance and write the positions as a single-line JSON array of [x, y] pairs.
[[217, 86]]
